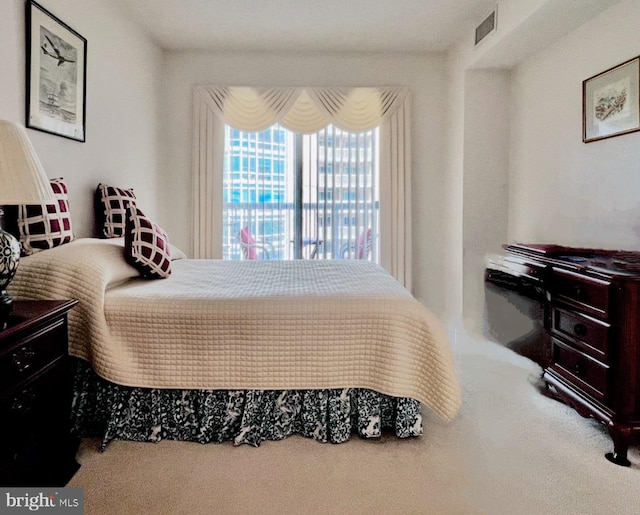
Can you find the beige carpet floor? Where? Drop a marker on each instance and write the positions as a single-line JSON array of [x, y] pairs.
[[510, 451]]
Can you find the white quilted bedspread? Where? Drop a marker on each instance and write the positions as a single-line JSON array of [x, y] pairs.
[[246, 324]]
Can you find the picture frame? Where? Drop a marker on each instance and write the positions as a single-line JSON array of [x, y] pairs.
[[56, 75], [610, 102]]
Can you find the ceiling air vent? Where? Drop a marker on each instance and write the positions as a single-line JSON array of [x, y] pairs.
[[487, 26]]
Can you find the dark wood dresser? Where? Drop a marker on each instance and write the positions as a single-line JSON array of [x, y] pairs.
[[591, 331], [36, 447]]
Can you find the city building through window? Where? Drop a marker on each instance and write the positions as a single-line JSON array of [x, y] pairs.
[[289, 195]]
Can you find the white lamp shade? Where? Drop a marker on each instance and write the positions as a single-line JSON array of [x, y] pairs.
[[22, 177]]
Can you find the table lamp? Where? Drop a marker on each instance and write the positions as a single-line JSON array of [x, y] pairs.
[[22, 181]]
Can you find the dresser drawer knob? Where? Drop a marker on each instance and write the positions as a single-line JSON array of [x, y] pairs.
[[23, 401], [578, 369], [578, 292], [21, 359], [580, 329]]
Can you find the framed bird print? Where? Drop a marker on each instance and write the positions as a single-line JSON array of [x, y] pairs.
[[56, 75]]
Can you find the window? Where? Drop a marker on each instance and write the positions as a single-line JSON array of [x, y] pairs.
[[383, 111], [291, 198]]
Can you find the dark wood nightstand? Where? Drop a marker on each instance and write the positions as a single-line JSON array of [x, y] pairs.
[[36, 446]]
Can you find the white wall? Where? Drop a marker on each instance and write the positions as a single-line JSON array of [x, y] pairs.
[[424, 74], [490, 110], [561, 189], [454, 185], [486, 176], [123, 81]]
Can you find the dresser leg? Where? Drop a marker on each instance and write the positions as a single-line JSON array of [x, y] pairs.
[[620, 436]]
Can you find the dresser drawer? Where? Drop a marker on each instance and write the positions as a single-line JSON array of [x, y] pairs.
[[525, 268], [581, 370], [587, 293], [590, 335], [19, 362]]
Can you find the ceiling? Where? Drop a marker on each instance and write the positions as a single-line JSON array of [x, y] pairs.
[[307, 25]]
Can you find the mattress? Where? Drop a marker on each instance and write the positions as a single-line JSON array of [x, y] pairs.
[[213, 324]]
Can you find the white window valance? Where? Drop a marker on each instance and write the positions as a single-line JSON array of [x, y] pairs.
[[302, 109]]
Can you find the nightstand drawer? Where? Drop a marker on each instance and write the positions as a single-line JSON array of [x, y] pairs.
[[35, 428], [36, 400], [35, 417], [589, 334], [36, 446], [581, 370], [34, 353], [584, 292]]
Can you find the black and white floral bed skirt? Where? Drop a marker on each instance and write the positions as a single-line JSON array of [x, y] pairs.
[[114, 412]]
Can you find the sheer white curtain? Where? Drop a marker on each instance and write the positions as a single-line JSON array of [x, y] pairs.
[[305, 110]]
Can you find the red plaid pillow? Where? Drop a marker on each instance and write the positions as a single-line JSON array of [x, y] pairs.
[[146, 245], [44, 226], [111, 209]]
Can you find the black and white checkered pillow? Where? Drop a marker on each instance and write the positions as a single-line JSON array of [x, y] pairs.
[[110, 206], [146, 245], [44, 226]]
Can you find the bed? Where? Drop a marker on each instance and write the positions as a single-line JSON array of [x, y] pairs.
[[242, 350]]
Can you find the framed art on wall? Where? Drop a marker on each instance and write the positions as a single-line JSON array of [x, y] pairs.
[[56, 75], [610, 102]]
